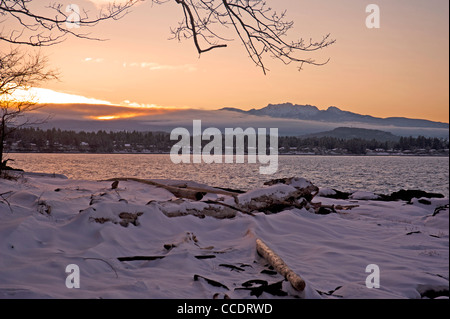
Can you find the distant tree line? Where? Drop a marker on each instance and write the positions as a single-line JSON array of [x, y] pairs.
[[360, 146], [57, 140], [54, 140]]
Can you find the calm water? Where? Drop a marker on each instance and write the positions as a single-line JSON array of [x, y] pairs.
[[346, 173]]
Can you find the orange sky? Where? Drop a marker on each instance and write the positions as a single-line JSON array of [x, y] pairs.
[[400, 69]]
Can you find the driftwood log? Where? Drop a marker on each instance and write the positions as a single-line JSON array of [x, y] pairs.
[[176, 191], [280, 266], [182, 207], [180, 191], [295, 193], [271, 204]]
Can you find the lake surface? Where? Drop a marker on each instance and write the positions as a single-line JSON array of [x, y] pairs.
[[345, 173]]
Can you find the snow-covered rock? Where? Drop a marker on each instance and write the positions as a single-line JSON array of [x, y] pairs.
[[324, 191], [363, 195]]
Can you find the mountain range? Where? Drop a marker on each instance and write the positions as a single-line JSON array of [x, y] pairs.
[[290, 119], [334, 114]]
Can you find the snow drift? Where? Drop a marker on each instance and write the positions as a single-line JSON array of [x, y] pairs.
[[137, 240]]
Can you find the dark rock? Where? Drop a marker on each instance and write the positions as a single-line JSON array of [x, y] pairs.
[[433, 294], [329, 293], [127, 218], [439, 209], [338, 195], [232, 267], [407, 195], [211, 282], [169, 246], [274, 289], [205, 257], [251, 283], [115, 184], [325, 211], [413, 232]]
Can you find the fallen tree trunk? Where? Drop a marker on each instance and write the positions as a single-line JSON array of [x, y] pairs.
[[176, 191], [272, 200], [214, 190], [180, 190], [280, 266], [182, 207]]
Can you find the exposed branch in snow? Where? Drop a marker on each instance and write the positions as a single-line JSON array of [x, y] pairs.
[[6, 199], [439, 209], [211, 282], [280, 266], [140, 258], [91, 258]]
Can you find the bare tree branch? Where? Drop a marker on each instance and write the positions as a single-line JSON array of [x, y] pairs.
[[39, 29], [260, 29], [19, 71]]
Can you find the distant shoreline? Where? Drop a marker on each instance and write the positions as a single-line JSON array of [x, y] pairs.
[[329, 155], [381, 174]]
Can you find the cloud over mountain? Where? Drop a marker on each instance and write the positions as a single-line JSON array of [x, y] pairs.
[[292, 120], [334, 114]]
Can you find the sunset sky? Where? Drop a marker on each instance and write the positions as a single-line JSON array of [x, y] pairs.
[[400, 69]]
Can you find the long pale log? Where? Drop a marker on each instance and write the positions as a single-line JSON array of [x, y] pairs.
[[280, 266], [178, 192], [182, 190], [217, 191]]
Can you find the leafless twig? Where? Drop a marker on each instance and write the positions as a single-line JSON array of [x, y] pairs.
[[54, 22], [6, 199], [260, 29], [91, 258]]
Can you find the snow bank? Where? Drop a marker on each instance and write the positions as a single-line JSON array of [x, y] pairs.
[[138, 241]]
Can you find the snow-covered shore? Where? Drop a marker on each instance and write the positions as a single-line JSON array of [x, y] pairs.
[[137, 240]]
